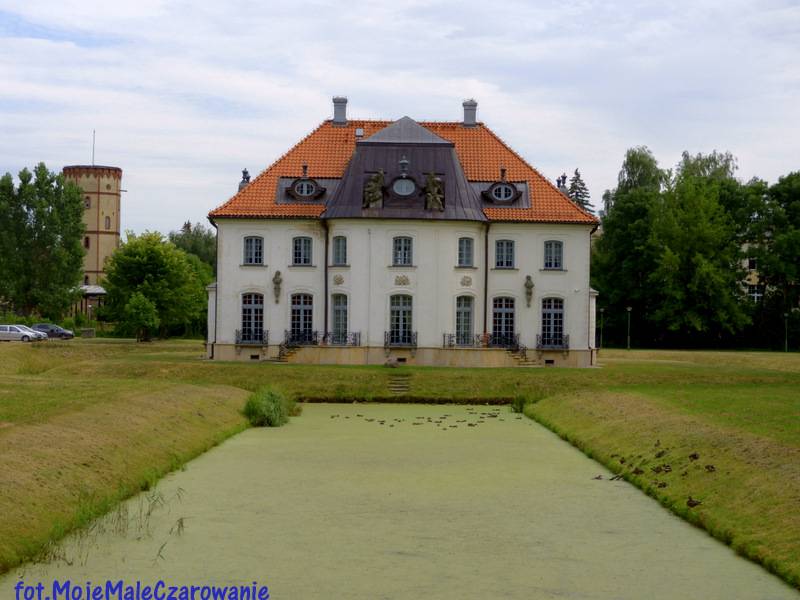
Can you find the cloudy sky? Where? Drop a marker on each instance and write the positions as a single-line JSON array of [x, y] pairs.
[[184, 95]]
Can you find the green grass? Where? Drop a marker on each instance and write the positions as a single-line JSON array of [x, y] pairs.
[[740, 411]]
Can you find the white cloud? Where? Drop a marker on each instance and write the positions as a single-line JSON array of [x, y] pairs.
[[183, 95]]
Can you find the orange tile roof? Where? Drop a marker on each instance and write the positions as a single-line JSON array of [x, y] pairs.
[[328, 149]]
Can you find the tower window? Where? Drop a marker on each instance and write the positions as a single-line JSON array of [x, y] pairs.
[[108, 222], [87, 202], [86, 242]]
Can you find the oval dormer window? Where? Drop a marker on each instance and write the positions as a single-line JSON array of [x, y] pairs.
[[403, 187], [503, 192], [305, 188]]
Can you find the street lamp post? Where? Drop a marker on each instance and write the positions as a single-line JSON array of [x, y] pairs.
[[602, 314], [786, 332], [629, 309]]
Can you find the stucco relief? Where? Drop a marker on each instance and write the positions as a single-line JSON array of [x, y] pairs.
[[466, 281], [338, 279], [402, 280]]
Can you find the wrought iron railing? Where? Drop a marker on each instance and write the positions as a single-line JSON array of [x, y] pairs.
[[503, 340], [300, 338], [252, 337], [342, 339], [458, 340], [399, 339], [552, 342]]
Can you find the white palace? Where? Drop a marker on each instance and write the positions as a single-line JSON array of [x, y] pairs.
[[417, 242]]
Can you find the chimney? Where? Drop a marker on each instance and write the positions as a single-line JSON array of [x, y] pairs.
[[470, 112], [339, 110]]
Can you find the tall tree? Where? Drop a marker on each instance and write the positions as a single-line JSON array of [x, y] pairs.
[[198, 240], [698, 274], [167, 277], [578, 191], [41, 229]]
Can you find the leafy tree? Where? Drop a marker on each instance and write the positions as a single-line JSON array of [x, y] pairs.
[[141, 316], [166, 276], [41, 255], [578, 191], [198, 240], [697, 272]]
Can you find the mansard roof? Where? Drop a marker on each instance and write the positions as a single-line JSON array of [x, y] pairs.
[[331, 148]]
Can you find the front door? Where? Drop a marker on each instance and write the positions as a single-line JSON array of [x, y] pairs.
[[302, 318]]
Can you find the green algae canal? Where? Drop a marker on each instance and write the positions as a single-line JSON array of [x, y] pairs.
[[402, 501]]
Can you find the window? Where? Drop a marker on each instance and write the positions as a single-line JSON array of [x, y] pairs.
[[87, 202], [108, 222], [339, 250], [401, 252], [85, 280], [552, 322], [86, 242], [503, 321], [752, 264], [755, 292], [465, 252], [400, 320], [502, 192], [553, 255], [464, 306], [403, 187], [253, 250], [302, 318], [504, 254], [252, 317], [301, 254], [305, 188], [339, 319]]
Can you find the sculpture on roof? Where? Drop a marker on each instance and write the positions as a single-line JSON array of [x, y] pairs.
[[434, 193], [373, 190]]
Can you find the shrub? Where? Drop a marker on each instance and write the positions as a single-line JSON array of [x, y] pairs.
[[518, 403], [268, 408]]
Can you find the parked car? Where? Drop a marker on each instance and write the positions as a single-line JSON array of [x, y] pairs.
[[21, 333], [54, 331]]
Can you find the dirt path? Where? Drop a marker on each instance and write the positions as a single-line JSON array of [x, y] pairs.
[[346, 507]]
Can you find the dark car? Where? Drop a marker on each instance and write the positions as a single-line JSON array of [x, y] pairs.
[[54, 331]]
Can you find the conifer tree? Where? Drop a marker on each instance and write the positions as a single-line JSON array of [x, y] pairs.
[[578, 191]]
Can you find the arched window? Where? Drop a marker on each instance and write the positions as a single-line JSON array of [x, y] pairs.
[[253, 250], [503, 321], [552, 322], [87, 202], [464, 310], [85, 280], [339, 250], [86, 242], [400, 320], [339, 333], [402, 253], [553, 255], [301, 251], [252, 318], [504, 254], [302, 320], [108, 222], [465, 252]]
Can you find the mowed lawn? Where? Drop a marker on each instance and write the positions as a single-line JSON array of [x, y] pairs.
[[87, 422]]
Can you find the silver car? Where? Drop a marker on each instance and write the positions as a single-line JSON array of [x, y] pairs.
[[20, 333]]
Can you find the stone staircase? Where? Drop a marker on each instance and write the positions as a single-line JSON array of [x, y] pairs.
[[285, 354], [524, 359], [400, 383]]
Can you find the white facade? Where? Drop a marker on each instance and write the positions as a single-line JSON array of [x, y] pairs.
[[434, 281]]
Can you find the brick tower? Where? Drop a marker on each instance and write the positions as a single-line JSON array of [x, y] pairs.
[[101, 187]]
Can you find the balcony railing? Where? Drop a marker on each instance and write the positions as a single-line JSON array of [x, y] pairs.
[[342, 339], [399, 339], [300, 338], [252, 337], [458, 340], [552, 342], [507, 341]]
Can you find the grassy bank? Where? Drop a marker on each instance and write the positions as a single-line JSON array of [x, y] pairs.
[[86, 422]]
